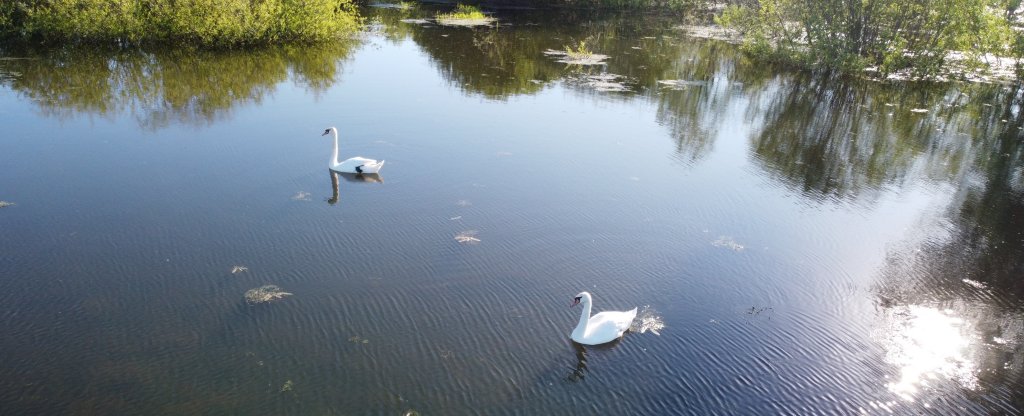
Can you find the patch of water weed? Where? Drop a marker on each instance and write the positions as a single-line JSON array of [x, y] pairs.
[[728, 242], [287, 386], [467, 237], [464, 15], [358, 340], [754, 310], [712, 32], [680, 84], [602, 82], [5, 204], [238, 269], [577, 55], [264, 294], [402, 5]]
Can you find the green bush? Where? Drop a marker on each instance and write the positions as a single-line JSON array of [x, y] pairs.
[[207, 22], [913, 36]]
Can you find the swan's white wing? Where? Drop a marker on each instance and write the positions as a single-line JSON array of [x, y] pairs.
[[608, 325], [618, 319], [349, 165]]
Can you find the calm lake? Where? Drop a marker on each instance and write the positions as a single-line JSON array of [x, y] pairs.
[[811, 244]]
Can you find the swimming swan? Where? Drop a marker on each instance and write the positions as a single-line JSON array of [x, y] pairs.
[[604, 327], [351, 165]]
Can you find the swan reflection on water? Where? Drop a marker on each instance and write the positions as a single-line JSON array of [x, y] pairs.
[[578, 372], [349, 177]]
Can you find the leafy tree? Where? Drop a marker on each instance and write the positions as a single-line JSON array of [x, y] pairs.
[[917, 37]]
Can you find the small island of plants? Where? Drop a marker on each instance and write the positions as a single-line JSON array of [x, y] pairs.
[[205, 22], [464, 15]]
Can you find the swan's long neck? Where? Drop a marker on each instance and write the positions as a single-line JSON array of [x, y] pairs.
[[334, 154], [581, 328]]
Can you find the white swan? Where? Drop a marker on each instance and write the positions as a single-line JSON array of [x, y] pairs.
[[353, 164], [604, 327]]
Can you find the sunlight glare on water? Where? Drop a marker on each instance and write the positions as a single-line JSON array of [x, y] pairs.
[[927, 343]]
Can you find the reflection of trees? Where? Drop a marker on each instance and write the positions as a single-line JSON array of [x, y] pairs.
[[509, 59], [990, 217], [388, 21], [496, 62], [165, 86], [694, 111], [970, 264], [836, 138]]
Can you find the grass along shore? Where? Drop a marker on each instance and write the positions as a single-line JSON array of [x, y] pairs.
[[204, 22]]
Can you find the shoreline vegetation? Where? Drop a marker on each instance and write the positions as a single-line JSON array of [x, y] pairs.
[[973, 40], [934, 40], [215, 23]]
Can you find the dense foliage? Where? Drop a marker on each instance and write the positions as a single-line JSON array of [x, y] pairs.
[[463, 11], [209, 22], [919, 37]]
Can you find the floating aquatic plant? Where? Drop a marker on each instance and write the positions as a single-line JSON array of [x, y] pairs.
[[264, 294], [238, 269], [577, 55], [402, 5], [680, 84], [579, 52], [467, 237], [464, 15], [728, 242]]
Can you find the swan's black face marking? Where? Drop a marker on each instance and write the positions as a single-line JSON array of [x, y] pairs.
[[576, 301], [326, 132], [359, 168]]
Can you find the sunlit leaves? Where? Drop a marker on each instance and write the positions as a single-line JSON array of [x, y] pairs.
[[207, 22]]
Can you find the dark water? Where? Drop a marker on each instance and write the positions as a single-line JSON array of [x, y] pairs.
[[812, 244]]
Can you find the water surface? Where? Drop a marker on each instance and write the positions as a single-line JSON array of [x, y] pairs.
[[813, 245]]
